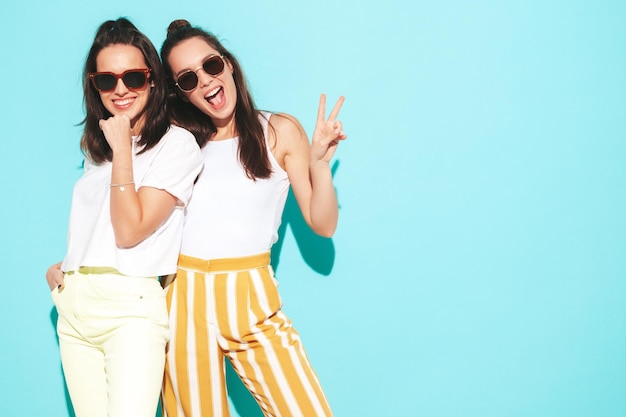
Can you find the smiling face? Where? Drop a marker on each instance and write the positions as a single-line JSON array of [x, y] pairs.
[[215, 96], [118, 58]]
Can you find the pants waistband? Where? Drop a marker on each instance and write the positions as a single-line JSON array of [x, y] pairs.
[[95, 270], [224, 264]]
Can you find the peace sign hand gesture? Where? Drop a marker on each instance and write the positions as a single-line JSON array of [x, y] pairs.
[[327, 133]]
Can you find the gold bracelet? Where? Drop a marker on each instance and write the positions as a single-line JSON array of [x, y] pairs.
[[122, 185]]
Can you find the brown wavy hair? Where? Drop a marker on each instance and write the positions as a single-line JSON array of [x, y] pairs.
[[253, 153], [93, 142]]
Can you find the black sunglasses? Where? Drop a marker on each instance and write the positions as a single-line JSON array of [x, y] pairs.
[[188, 80], [134, 79]]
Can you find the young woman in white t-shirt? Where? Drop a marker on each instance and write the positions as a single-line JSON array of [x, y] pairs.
[[124, 230]]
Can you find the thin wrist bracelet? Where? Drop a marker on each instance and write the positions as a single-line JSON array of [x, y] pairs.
[[122, 185]]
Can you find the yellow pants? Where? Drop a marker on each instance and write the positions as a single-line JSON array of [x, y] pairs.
[[112, 336], [231, 308]]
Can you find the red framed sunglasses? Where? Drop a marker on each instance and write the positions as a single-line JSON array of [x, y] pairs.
[[133, 79]]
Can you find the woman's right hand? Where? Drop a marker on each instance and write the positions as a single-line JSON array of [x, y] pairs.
[[117, 131], [55, 277]]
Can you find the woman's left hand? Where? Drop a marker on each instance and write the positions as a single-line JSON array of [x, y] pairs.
[[327, 133]]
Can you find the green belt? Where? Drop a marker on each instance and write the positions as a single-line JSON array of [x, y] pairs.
[[95, 270]]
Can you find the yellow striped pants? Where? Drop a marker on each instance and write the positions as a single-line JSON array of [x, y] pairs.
[[231, 308]]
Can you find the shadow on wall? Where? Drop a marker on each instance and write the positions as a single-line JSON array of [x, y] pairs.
[[318, 252]]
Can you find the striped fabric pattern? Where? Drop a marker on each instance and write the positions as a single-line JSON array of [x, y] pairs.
[[231, 308]]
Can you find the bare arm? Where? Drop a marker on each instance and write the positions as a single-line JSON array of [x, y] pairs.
[[134, 214], [308, 166]]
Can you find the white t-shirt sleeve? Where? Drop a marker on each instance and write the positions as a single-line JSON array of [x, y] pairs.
[[87, 166], [176, 166]]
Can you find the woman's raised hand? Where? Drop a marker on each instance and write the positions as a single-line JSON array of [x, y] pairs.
[[327, 133], [117, 131]]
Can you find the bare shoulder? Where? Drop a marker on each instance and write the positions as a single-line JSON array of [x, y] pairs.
[[284, 123], [287, 136]]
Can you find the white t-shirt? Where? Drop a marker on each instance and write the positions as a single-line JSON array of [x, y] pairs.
[[230, 215], [171, 165]]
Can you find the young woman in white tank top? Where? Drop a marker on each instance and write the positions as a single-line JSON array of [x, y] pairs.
[[224, 302]]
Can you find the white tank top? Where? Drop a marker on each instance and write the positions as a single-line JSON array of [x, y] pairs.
[[230, 215]]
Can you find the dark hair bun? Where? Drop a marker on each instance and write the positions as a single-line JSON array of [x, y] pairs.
[[111, 29], [178, 24]]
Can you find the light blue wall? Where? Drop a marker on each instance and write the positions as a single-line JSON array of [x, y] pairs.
[[479, 268]]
